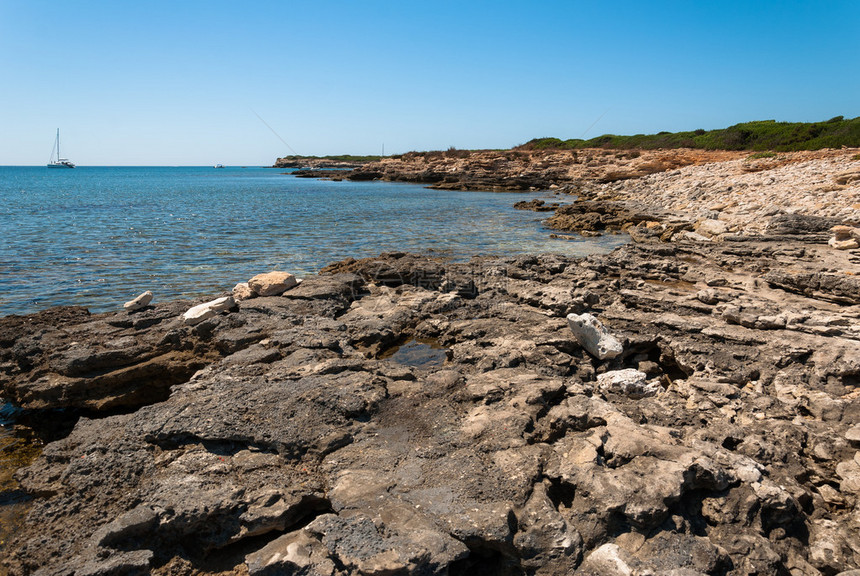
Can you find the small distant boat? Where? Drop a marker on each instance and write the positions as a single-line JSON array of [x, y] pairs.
[[219, 165], [57, 162]]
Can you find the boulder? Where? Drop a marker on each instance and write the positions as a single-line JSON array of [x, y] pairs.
[[201, 312], [141, 301], [593, 336], [272, 283]]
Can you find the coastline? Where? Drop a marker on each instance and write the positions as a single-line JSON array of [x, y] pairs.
[[742, 189], [281, 434]]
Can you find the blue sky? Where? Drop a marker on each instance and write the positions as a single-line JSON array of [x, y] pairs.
[[178, 83]]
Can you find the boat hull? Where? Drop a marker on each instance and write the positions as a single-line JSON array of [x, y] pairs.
[[61, 165]]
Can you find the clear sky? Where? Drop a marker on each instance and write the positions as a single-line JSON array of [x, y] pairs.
[[182, 82]]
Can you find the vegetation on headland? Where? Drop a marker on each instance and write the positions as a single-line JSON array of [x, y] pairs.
[[336, 158], [762, 137], [759, 135]]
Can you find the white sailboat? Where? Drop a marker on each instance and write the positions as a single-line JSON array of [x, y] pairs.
[[59, 162]]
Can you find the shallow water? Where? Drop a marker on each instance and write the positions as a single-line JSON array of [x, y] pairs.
[[420, 353], [18, 448], [98, 236]]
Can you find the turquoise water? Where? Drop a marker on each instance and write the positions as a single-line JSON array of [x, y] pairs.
[[98, 236]]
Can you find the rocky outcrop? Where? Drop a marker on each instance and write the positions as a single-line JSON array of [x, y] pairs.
[[312, 163], [520, 169], [721, 439], [536, 205]]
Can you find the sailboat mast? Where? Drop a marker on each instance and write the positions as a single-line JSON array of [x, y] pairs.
[[58, 144]]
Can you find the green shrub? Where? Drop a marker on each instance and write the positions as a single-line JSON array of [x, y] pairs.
[[759, 135], [759, 155]]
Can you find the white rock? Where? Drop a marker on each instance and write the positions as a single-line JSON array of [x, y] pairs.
[[139, 302], [242, 291], [272, 283], [630, 382], [201, 312], [593, 336], [222, 304]]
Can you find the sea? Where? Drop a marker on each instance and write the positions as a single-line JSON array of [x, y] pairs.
[[99, 236]]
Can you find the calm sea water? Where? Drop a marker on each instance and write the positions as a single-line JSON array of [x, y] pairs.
[[98, 236]]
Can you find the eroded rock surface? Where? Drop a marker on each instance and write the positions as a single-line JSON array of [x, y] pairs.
[[296, 447]]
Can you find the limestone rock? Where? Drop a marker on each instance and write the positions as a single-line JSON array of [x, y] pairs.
[[629, 382], [593, 336], [853, 434], [141, 301], [272, 283], [707, 296], [711, 228], [608, 560], [845, 237], [849, 244], [844, 232], [849, 472], [293, 553], [242, 291], [201, 312]]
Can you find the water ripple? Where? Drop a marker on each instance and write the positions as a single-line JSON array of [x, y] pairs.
[[99, 236]]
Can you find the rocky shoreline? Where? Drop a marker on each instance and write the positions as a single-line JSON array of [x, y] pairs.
[[730, 192], [277, 437], [685, 405]]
